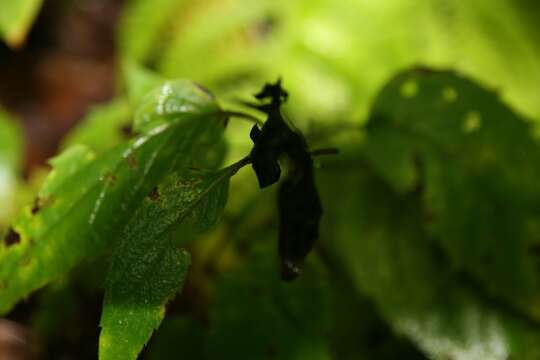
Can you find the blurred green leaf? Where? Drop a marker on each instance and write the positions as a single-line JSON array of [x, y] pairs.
[[139, 80], [141, 25], [358, 331], [210, 35], [58, 306], [16, 19], [11, 156], [255, 315], [103, 127], [178, 337], [147, 271], [80, 212], [378, 236], [477, 166], [334, 64], [11, 142]]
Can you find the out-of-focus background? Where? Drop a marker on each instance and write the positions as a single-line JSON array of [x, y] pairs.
[[334, 55], [63, 66]]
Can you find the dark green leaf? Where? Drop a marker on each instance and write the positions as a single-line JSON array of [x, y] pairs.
[[379, 238], [477, 167], [177, 338], [80, 212], [256, 315], [358, 330]]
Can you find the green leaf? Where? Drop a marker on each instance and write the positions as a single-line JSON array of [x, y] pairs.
[[65, 165], [477, 166], [182, 96], [11, 142], [255, 315], [16, 18], [358, 331], [147, 271], [103, 127], [177, 338], [141, 26], [11, 150], [132, 311], [83, 212], [314, 46], [139, 80], [201, 34], [378, 236]]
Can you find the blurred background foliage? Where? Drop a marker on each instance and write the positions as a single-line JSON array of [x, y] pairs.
[[413, 262]]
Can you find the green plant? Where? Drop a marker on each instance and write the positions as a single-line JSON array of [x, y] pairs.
[[428, 243], [401, 210]]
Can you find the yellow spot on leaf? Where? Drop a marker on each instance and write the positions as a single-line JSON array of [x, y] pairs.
[[472, 121]]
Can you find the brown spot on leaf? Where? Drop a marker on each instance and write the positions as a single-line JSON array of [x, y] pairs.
[[26, 261], [126, 131], [132, 162], [424, 70], [12, 237], [264, 28], [110, 179], [154, 194], [36, 206]]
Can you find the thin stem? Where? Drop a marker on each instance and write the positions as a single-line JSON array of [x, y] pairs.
[[220, 247], [244, 116], [233, 169]]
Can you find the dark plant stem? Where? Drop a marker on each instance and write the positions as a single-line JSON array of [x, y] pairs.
[[244, 116]]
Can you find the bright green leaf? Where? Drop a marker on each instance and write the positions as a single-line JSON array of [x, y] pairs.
[[141, 26], [16, 19], [11, 142], [147, 271], [182, 96], [202, 34], [65, 165], [11, 150], [139, 80], [103, 127], [85, 211], [134, 309]]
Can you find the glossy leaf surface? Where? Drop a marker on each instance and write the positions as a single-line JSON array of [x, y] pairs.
[[88, 202]]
